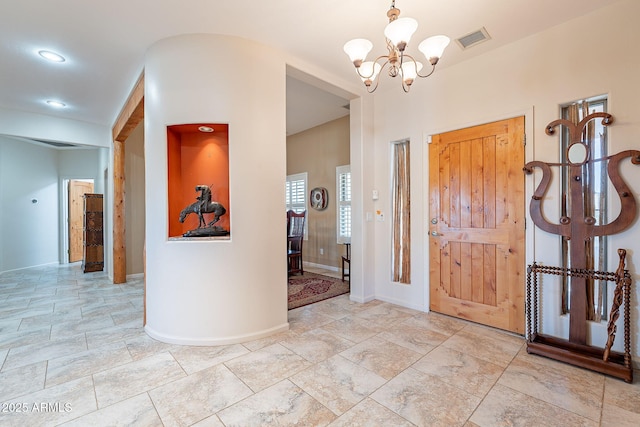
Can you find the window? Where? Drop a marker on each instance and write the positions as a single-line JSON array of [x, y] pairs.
[[595, 178], [296, 192], [296, 196], [343, 205], [401, 213]]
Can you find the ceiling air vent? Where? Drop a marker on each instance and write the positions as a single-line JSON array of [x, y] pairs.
[[54, 144], [473, 39]]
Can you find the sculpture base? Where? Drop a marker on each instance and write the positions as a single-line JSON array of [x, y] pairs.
[[585, 356], [206, 232]]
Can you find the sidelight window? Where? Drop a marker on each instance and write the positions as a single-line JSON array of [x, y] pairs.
[[400, 213], [594, 176]]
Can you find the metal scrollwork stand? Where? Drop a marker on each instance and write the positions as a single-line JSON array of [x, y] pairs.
[[579, 228]]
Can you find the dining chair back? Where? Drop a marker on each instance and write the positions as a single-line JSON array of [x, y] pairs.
[[295, 238]]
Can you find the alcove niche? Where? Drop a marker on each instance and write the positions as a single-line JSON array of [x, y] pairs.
[[200, 290], [197, 154]]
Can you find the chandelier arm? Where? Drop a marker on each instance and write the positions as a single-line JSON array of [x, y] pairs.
[[373, 88], [390, 46], [373, 68], [433, 68], [406, 55]]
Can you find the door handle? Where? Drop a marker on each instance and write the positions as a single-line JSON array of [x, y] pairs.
[[435, 234]]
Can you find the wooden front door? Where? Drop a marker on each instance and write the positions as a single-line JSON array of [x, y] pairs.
[[76, 213], [476, 224]]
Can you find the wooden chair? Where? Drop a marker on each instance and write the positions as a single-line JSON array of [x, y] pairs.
[[295, 238], [347, 260]]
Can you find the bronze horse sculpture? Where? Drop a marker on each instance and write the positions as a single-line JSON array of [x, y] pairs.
[[202, 206]]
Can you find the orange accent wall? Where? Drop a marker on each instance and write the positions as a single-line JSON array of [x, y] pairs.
[[195, 158]]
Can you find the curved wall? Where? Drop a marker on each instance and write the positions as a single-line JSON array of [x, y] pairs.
[[207, 292]]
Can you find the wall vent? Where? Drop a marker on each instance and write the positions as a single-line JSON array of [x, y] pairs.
[[54, 143], [473, 38]]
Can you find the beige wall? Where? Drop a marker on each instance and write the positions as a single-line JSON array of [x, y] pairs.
[[199, 290], [134, 200], [531, 77], [318, 151]]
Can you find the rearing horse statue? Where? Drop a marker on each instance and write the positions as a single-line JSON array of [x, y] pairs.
[[202, 206]]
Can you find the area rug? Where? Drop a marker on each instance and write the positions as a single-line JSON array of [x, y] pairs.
[[310, 287]]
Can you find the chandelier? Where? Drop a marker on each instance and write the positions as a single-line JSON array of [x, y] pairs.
[[397, 33]]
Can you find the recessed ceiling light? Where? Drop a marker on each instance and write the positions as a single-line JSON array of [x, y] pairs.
[[205, 129], [51, 56], [56, 104]]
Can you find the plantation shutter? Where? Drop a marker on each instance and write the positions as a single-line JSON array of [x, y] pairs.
[[296, 192], [343, 191]]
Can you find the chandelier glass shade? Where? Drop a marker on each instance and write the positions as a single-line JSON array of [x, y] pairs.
[[398, 33]]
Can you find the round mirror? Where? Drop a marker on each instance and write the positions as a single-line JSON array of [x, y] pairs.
[[577, 153], [319, 198]]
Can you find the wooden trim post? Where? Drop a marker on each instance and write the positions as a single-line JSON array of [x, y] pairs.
[[119, 217], [131, 115]]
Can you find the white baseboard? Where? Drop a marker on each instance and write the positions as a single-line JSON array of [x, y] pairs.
[[326, 267], [213, 341], [31, 266]]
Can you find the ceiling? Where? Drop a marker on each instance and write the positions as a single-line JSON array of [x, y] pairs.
[[104, 43]]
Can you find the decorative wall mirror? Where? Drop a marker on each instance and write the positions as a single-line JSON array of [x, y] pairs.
[[577, 153], [319, 198]]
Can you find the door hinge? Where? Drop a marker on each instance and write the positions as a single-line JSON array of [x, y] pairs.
[[524, 139]]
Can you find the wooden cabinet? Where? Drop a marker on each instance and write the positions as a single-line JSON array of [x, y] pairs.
[[93, 252]]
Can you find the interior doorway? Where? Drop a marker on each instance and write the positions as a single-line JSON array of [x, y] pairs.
[[318, 144], [76, 189]]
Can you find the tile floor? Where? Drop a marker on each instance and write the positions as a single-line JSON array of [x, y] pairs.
[[73, 353]]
